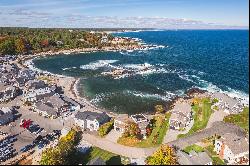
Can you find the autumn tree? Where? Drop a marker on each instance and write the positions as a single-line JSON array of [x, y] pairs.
[[132, 130], [20, 46], [63, 152], [165, 155]]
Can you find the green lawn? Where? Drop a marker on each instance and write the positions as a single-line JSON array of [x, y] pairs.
[[193, 147], [108, 157], [157, 134], [241, 119], [217, 161], [202, 113], [214, 156]]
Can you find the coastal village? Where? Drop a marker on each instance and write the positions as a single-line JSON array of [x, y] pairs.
[[40, 111]]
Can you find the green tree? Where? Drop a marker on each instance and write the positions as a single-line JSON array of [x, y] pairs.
[[8, 47], [106, 128], [165, 155]]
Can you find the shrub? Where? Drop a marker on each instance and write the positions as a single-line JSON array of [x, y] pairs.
[[215, 100], [106, 128], [165, 155], [132, 130], [159, 109]]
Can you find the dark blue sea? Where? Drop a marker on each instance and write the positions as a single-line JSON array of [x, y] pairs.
[[215, 60]]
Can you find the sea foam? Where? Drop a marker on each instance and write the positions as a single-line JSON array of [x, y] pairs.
[[98, 64]]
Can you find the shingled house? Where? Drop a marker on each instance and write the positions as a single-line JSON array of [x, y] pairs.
[[91, 120], [233, 149]]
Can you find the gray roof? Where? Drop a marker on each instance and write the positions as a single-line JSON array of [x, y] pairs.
[[225, 98], [55, 100], [46, 107], [36, 84], [69, 100], [123, 118], [96, 161], [235, 143], [100, 117], [180, 117], [194, 158]]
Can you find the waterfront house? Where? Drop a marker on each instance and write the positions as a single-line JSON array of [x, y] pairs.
[[34, 84], [104, 39], [181, 116], [7, 92], [38, 94], [6, 116], [91, 120], [232, 149], [227, 104], [193, 158], [72, 103], [121, 122], [46, 109], [142, 122]]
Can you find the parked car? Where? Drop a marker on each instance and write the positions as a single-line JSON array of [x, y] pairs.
[[26, 148], [38, 138]]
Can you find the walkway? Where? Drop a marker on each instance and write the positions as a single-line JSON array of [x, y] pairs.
[[218, 128], [215, 117]]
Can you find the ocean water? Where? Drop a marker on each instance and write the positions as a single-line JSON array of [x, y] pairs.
[[215, 60]]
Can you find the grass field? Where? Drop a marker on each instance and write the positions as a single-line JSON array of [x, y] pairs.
[[156, 137], [157, 134], [241, 119], [193, 147], [202, 112]]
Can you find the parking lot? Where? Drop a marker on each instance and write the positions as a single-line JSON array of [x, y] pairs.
[[23, 136]]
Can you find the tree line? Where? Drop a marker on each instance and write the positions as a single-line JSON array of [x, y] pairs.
[[15, 41]]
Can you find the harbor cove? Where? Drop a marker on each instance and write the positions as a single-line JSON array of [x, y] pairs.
[[135, 81]]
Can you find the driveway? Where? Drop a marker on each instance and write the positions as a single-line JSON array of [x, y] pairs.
[[215, 117], [131, 152], [113, 136]]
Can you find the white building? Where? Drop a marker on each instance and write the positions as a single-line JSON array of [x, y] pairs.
[[227, 104], [90, 120], [6, 115], [121, 122], [181, 116], [38, 94], [233, 149]]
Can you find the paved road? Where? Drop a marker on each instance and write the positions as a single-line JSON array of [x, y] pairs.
[[122, 150], [218, 128]]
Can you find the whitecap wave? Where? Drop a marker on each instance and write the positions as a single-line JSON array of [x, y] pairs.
[[69, 68], [210, 87], [98, 64], [186, 77], [166, 97]]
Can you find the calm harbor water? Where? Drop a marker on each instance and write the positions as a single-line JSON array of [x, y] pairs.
[[216, 60]]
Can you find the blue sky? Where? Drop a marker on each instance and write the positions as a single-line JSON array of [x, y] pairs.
[[125, 13]]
